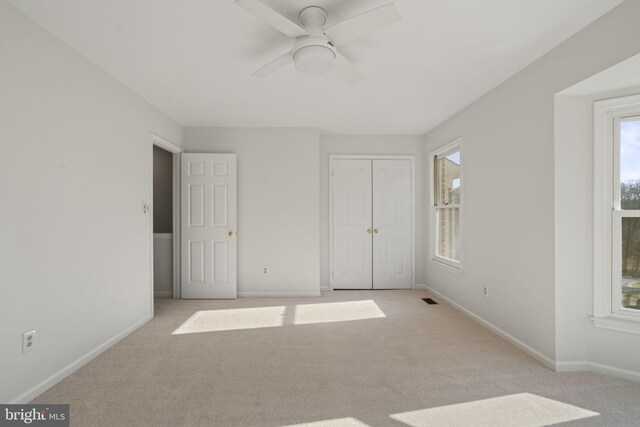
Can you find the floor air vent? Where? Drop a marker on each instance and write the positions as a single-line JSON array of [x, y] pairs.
[[429, 301]]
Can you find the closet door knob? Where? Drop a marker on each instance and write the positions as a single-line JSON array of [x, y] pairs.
[[369, 230], [232, 234], [375, 230]]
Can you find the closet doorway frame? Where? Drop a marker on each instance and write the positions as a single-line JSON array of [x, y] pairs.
[[412, 160], [176, 152]]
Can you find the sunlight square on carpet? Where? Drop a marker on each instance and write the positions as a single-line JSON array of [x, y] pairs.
[[337, 312], [232, 319], [516, 410], [337, 422]]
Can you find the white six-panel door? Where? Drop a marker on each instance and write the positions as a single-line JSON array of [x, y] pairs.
[[392, 243], [372, 244], [352, 250], [208, 216]]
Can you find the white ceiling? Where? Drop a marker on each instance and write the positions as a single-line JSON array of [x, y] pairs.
[[192, 58]]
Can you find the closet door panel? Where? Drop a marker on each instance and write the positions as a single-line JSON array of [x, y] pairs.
[[392, 223], [352, 204]]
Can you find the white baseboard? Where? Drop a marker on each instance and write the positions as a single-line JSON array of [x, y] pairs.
[[278, 294], [572, 366], [599, 368], [421, 287], [162, 294], [546, 361], [614, 372], [63, 373], [567, 366]]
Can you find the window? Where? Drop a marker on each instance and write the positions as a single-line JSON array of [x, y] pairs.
[[447, 205], [617, 214]]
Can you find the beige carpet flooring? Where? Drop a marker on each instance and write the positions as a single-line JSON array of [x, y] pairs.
[[349, 358]]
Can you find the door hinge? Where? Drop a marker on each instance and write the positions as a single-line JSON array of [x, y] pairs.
[[331, 172]]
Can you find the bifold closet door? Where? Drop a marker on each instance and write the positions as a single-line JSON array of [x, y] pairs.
[[392, 242], [352, 230]]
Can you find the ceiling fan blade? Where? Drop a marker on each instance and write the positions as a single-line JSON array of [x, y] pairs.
[[273, 18], [273, 66], [345, 70], [364, 23]]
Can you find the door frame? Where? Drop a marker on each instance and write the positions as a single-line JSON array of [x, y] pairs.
[[412, 160], [175, 152]]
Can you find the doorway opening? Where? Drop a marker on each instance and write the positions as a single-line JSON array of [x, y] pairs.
[[165, 218], [162, 223]]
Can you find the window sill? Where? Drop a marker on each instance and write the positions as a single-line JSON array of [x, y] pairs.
[[619, 325], [446, 266]]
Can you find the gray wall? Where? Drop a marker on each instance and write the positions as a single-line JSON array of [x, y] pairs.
[[162, 191], [509, 239], [282, 174], [75, 171], [578, 340], [278, 205]]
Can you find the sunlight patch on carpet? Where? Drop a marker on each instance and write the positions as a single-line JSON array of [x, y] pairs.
[[336, 312], [232, 319], [270, 317], [523, 410], [338, 422]]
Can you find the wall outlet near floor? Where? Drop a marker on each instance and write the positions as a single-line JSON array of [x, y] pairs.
[[265, 270], [28, 340], [485, 292]]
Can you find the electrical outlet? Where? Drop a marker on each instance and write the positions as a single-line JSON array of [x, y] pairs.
[[28, 340], [264, 270], [485, 292]]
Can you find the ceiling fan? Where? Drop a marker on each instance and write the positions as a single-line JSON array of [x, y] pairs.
[[314, 50]]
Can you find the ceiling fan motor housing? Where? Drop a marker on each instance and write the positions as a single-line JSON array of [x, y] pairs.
[[313, 17]]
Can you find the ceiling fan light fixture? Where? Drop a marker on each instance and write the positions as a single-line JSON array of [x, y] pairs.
[[314, 59]]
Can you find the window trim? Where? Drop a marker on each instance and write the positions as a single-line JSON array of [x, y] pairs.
[[607, 213], [455, 145]]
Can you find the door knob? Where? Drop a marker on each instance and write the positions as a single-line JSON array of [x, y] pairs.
[[232, 234], [369, 230], [375, 230]]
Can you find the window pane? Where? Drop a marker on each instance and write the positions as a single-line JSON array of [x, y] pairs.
[[630, 164], [449, 179], [631, 263], [449, 233]]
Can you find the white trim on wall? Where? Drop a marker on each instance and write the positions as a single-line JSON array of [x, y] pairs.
[[163, 143], [546, 361], [598, 368], [412, 161], [278, 294], [557, 366]]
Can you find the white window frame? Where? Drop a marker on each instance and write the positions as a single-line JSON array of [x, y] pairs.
[[608, 313], [445, 150]]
